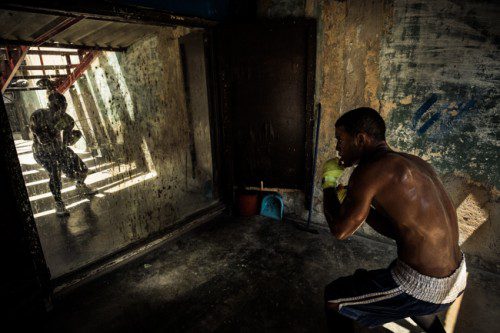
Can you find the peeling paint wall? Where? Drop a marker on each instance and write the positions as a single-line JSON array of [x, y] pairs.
[[440, 69], [439, 72], [431, 69]]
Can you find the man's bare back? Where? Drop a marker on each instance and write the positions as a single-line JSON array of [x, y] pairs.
[[415, 209], [400, 196]]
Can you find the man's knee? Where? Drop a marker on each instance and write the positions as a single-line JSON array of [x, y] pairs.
[[332, 306], [54, 173]]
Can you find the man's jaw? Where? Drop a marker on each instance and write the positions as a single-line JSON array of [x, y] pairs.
[[348, 163]]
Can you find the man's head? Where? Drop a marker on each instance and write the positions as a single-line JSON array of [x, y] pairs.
[[357, 132], [57, 102]]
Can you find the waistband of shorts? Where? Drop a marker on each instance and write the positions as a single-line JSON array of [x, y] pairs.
[[430, 289]]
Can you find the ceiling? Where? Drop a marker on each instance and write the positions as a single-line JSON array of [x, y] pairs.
[[23, 26]]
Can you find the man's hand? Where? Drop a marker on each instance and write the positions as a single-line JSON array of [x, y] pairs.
[[64, 123], [71, 137], [344, 219], [332, 171]]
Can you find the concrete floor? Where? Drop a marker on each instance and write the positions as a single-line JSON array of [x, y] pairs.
[[246, 275]]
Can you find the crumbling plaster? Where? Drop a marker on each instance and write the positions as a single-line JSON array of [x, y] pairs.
[[395, 56]]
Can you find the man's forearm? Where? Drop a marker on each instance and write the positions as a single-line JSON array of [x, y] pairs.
[[66, 138], [331, 207]]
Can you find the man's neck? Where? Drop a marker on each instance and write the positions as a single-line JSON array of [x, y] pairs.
[[374, 151]]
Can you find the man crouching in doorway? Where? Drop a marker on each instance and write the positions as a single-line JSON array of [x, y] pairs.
[[51, 150], [400, 196]]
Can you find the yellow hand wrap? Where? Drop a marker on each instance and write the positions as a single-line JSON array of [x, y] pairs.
[[341, 193], [331, 173]]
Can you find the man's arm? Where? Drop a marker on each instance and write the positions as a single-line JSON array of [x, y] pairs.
[[38, 130], [344, 219], [380, 224], [67, 127]]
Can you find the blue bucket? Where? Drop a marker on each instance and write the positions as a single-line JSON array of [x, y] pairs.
[[272, 206]]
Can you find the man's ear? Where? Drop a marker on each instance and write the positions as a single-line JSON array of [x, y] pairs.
[[363, 139], [360, 139]]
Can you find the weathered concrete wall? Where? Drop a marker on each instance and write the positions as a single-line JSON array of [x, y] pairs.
[[439, 72], [429, 68], [140, 102]]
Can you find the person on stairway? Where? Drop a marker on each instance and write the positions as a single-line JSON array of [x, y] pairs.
[[53, 133]]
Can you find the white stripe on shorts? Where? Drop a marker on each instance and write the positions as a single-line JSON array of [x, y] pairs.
[[360, 297], [372, 300]]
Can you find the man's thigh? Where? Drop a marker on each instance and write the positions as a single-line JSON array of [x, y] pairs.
[[373, 298], [47, 161], [360, 285]]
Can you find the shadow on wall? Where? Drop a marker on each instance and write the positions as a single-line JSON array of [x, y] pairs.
[[111, 108], [477, 210], [120, 103], [133, 105]]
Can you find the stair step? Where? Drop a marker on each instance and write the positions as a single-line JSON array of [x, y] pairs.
[[42, 185], [30, 175], [48, 206], [117, 173]]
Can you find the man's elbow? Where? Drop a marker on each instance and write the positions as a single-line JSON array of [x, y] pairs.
[[340, 234]]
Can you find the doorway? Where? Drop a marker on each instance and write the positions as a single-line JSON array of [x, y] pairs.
[[141, 106]]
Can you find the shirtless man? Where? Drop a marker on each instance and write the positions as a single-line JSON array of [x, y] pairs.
[[400, 196], [50, 148]]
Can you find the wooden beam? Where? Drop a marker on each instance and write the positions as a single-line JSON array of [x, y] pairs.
[[46, 67], [14, 65], [64, 46], [24, 88], [62, 24], [78, 71], [108, 11], [35, 77], [53, 52]]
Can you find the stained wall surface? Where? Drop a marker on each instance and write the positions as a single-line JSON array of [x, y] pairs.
[[431, 69]]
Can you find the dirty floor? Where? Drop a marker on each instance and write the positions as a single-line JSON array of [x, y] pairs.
[[244, 275]]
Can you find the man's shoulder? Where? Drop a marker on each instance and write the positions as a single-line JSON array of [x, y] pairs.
[[397, 166], [68, 121], [385, 166], [67, 116], [39, 113]]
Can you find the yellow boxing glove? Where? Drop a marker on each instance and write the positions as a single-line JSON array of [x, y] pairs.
[[74, 137], [331, 173], [341, 193], [62, 124]]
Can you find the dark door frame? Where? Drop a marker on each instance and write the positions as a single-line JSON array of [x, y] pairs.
[[222, 105], [24, 262]]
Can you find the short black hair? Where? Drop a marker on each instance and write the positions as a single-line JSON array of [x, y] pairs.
[[56, 98], [363, 120]]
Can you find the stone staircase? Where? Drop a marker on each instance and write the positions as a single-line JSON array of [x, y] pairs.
[[102, 174]]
